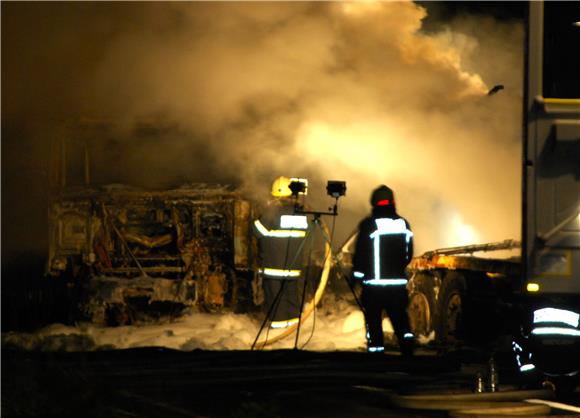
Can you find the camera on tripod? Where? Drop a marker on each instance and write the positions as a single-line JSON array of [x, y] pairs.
[[310, 231], [298, 186]]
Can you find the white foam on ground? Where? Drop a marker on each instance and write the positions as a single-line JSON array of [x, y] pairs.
[[338, 325]]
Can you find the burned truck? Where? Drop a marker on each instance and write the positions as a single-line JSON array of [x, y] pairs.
[[127, 252], [461, 294]]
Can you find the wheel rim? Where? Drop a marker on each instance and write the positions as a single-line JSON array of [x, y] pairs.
[[419, 314]]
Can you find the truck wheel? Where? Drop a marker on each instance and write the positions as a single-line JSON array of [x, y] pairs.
[[451, 310], [419, 314]]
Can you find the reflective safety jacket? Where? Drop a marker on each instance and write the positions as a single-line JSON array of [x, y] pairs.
[[383, 249], [281, 236]]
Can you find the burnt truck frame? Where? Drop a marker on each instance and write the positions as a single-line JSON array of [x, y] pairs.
[[128, 254], [461, 297], [456, 297]]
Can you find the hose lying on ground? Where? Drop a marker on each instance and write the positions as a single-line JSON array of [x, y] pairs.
[[555, 405]]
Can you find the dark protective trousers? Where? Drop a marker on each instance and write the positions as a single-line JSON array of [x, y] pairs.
[[393, 300], [286, 290]]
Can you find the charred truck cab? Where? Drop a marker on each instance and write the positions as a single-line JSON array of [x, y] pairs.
[[128, 254]]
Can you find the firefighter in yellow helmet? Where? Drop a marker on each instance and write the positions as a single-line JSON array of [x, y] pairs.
[[280, 234]]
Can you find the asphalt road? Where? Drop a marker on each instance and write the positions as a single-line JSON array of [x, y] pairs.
[[154, 382]]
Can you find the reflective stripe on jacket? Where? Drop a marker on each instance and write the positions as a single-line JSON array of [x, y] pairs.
[[383, 249], [281, 234]]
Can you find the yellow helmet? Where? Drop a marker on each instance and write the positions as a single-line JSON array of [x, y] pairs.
[[281, 186]]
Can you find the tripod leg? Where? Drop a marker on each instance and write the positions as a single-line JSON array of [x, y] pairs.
[[318, 294], [301, 306], [271, 310], [274, 307], [356, 299]]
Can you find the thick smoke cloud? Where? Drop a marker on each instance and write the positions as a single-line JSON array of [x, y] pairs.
[[243, 92]]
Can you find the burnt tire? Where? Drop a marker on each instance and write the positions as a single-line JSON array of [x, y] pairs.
[[421, 308], [419, 311], [452, 311]]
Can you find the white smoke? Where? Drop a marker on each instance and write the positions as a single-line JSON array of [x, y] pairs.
[[354, 91]]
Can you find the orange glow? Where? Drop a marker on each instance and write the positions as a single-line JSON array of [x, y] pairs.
[[494, 275]]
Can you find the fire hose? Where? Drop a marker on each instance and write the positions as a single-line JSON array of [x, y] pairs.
[[313, 302]]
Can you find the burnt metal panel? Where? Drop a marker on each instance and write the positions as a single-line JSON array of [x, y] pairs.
[[242, 234]]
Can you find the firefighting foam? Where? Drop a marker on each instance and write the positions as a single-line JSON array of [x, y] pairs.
[[354, 91], [337, 325]]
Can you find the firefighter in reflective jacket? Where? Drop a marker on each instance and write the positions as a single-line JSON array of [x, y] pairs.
[[383, 249], [281, 235]]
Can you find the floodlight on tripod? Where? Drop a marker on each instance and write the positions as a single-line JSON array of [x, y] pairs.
[[336, 188], [298, 186]]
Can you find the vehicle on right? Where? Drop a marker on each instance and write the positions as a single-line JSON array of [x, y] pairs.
[[549, 343]]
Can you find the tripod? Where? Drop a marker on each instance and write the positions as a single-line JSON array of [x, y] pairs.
[[304, 313], [276, 301]]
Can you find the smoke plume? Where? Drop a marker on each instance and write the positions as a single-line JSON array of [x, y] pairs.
[[244, 92]]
